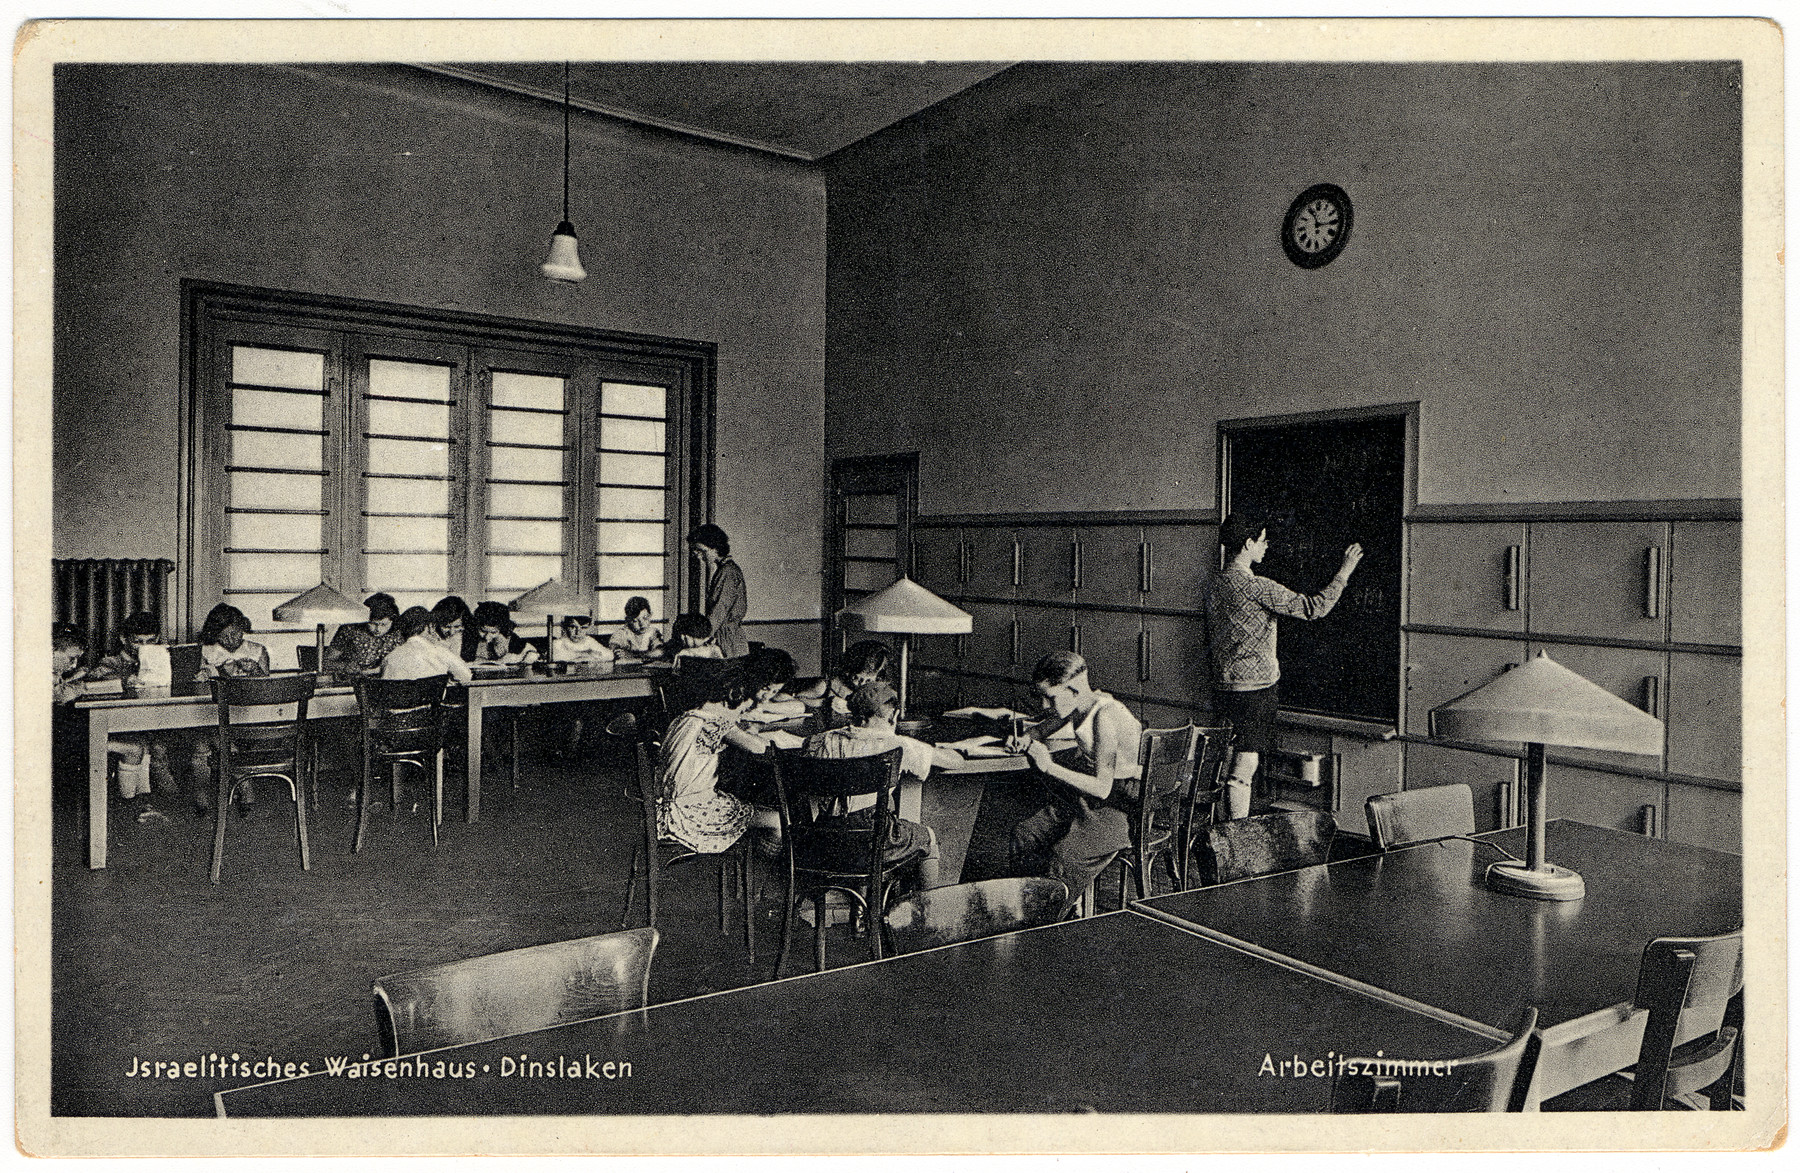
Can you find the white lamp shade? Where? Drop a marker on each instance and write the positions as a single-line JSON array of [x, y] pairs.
[[321, 604], [548, 600], [905, 607], [565, 256], [1543, 702]]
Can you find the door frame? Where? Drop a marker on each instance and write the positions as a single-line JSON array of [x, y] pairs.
[[853, 476]]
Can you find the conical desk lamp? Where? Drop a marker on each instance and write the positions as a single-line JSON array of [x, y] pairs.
[[906, 609], [1542, 703], [547, 601], [320, 605]]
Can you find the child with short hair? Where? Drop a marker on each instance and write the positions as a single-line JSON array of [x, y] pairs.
[[641, 636], [223, 649], [495, 638], [575, 645], [692, 639], [863, 662], [143, 760]]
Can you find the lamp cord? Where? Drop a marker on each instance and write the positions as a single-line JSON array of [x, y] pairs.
[[1486, 843], [565, 214]]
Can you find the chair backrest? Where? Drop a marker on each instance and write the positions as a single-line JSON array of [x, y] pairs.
[[809, 788], [1420, 816], [509, 993], [1494, 1081], [967, 912], [261, 708], [1212, 753], [1245, 848], [307, 656], [1166, 762], [402, 709], [1685, 983]]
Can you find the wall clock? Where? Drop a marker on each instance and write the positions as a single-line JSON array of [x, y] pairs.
[[1317, 226]]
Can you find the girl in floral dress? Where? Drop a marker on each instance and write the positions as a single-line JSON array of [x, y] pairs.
[[689, 810]]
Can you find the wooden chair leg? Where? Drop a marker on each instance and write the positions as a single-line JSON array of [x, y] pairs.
[[218, 854], [787, 924], [363, 786], [723, 871], [437, 795], [299, 791], [515, 748], [819, 931], [744, 865], [637, 853]]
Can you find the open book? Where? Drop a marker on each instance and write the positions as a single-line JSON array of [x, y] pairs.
[[978, 747]]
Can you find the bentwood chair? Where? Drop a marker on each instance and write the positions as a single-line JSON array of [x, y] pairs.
[[1692, 1050], [1493, 1081], [826, 851], [1164, 785], [1243, 849], [968, 912], [1407, 817], [504, 994], [262, 734], [1206, 798], [658, 855], [402, 725]]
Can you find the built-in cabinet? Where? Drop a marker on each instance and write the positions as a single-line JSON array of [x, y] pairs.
[[1646, 607]]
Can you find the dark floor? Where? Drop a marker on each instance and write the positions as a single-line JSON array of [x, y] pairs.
[[151, 961]]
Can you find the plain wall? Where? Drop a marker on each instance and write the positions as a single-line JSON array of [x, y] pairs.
[[400, 186], [1054, 285]]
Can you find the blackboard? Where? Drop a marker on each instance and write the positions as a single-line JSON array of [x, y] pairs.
[[1319, 486]]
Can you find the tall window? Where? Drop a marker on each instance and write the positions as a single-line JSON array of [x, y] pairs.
[[378, 448]]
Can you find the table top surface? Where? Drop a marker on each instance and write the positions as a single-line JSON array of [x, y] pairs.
[[1422, 923], [1119, 1013], [332, 684]]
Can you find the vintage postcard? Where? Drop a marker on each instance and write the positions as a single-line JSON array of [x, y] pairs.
[[1297, 503]]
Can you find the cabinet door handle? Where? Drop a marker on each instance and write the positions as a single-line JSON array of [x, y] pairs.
[[1653, 582], [1648, 821], [1012, 655], [1075, 563], [1144, 582], [962, 647], [1018, 577], [1652, 687], [1143, 655], [963, 558], [1512, 578], [1075, 638]]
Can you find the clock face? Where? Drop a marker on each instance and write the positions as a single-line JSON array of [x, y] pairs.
[[1317, 226]]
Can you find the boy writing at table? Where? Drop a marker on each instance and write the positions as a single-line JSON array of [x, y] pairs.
[[1083, 822]]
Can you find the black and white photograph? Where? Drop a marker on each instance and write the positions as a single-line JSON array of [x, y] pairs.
[[870, 586]]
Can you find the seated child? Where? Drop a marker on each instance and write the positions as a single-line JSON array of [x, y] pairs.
[[495, 641], [136, 778], [576, 646], [872, 708], [223, 649], [223, 652], [428, 647], [692, 639], [863, 662], [689, 808], [360, 647], [641, 636], [67, 649]]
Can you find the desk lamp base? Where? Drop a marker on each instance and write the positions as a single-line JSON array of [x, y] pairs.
[[1516, 878]]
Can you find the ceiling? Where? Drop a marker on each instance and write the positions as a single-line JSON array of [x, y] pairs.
[[802, 110]]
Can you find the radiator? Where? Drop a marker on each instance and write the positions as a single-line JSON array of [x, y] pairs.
[[96, 594]]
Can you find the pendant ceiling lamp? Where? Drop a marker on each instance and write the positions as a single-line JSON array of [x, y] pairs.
[[565, 258]]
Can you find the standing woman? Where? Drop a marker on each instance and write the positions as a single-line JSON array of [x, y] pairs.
[[726, 597]]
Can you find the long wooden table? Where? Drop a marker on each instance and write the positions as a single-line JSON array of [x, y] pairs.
[[190, 706], [1420, 927], [1119, 1013]]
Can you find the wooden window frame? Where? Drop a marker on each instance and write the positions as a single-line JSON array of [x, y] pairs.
[[686, 367]]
